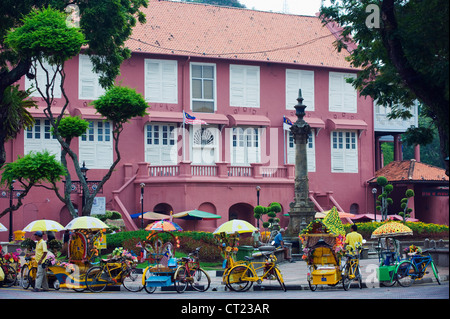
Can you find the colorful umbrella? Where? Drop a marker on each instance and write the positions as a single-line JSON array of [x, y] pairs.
[[3, 228], [86, 222], [196, 214], [43, 225], [153, 215], [235, 225], [391, 229], [163, 225]]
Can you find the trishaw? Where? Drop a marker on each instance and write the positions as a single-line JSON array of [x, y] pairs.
[[160, 250], [323, 248], [86, 233]]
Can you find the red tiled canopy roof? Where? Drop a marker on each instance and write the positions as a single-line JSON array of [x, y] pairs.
[[412, 171], [190, 29]]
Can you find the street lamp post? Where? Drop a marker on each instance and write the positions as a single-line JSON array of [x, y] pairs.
[[11, 191], [142, 205], [258, 188], [374, 192], [84, 170]]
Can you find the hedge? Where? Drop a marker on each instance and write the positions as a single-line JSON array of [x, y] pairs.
[[420, 229]]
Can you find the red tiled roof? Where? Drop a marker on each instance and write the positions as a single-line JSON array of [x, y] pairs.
[[400, 171], [190, 29]]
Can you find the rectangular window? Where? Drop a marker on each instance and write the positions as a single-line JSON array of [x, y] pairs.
[[161, 81], [160, 146], [244, 86], [96, 147], [40, 73], [344, 152], [88, 86], [299, 79], [39, 138], [342, 95], [245, 145], [203, 87]]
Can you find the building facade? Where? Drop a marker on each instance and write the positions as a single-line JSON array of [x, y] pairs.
[[238, 73]]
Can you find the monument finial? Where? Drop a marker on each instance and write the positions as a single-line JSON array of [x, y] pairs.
[[300, 107]]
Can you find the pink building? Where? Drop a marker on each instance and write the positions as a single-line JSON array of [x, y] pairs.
[[239, 71]]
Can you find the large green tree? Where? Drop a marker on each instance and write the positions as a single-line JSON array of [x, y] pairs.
[[45, 35], [402, 47], [106, 25]]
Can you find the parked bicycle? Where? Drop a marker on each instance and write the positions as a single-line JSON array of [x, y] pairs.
[[352, 270], [414, 268], [242, 277], [189, 271], [113, 272]]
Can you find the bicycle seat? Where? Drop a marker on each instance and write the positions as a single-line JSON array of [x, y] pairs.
[[248, 258]]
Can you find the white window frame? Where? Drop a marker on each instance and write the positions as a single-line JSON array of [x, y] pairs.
[[96, 145], [41, 78], [39, 138], [310, 150], [203, 79], [244, 88], [161, 143], [161, 81], [243, 141], [201, 152], [299, 79], [344, 151], [342, 95], [87, 77]]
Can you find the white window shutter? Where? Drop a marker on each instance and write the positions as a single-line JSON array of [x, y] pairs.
[[252, 87], [351, 161], [89, 88], [307, 86], [335, 92], [349, 93], [236, 86]]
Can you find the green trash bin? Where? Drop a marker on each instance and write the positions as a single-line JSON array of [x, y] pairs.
[[244, 251]]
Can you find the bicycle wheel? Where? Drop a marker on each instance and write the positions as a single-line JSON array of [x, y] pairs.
[[147, 274], [309, 278], [405, 273], [24, 279], [346, 281], [359, 276], [32, 276], [96, 279], [10, 276], [132, 282], [179, 279], [280, 278], [435, 272], [201, 280], [236, 280]]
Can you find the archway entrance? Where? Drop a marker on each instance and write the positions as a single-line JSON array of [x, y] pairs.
[[242, 211]]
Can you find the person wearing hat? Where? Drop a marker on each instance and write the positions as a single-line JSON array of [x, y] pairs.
[[40, 256], [278, 240]]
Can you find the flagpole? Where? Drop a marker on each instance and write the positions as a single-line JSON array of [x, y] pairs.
[[284, 145], [183, 143]]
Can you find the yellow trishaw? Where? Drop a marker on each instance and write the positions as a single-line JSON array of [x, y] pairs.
[[323, 248]]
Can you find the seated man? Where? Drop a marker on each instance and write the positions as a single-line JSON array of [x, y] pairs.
[[278, 240]]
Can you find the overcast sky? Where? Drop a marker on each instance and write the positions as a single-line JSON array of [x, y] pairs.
[[303, 7]]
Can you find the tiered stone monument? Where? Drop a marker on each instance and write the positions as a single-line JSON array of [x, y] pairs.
[[301, 209]]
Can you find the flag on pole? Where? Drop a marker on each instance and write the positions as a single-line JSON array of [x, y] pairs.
[[286, 123], [189, 119]]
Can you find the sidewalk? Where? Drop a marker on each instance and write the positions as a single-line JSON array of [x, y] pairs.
[[294, 275]]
